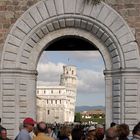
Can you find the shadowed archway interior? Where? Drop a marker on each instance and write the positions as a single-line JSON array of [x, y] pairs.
[[70, 43]]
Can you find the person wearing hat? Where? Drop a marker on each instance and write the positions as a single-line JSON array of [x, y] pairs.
[[99, 132], [28, 125], [91, 135]]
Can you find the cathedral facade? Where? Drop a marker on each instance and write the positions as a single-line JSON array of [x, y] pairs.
[[57, 103]]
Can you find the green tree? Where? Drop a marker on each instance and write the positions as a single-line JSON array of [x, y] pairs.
[[78, 117]]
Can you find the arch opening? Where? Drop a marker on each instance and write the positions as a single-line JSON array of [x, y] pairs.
[[89, 70]]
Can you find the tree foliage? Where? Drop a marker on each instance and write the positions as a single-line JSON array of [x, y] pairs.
[[78, 117]]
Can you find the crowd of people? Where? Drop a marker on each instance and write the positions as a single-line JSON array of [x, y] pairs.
[[30, 130]]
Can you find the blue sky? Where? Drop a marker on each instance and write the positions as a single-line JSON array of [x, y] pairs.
[[90, 66]]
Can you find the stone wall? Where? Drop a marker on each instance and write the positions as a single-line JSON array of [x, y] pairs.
[[130, 11], [11, 10]]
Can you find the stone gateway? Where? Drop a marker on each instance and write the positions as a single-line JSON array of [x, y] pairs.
[[49, 20]]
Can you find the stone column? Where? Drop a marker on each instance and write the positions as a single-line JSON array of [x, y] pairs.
[[131, 98], [18, 98], [123, 100], [114, 97], [108, 99]]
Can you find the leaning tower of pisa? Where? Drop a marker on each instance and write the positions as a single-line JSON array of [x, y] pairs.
[[69, 80]]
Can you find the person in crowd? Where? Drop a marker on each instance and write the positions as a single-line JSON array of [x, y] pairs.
[[77, 134], [28, 125], [99, 132], [136, 132], [65, 133], [111, 133], [21, 126], [123, 131], [51, 133], [1, 127], [41, 132], [113, 124], [3, 134], [35, 132], [91, 134]]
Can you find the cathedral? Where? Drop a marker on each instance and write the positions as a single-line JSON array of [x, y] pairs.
[[57, 103]]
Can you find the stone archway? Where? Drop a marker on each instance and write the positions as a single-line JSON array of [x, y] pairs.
[[46, 21]]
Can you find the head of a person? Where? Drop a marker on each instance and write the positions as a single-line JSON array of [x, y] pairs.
[[123, 130], [77, 134], [28, 124], [112, 124], [136, 130], [65, 131], [49, 129], [92, 130], [3, 133], [100, 132], [41, 127], [111, 133]]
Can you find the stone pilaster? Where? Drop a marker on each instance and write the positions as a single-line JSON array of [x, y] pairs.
[[18, 98]]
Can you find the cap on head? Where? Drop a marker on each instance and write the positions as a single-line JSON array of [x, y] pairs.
[[99, 126], [91, 128], [29, 121]]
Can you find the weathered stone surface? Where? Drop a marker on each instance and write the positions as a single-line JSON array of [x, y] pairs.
[[19, 34], [24, 27], [131, 86], [116, 93], [70, 22], [132, 63], [29, 20], [51, 7], [131, 92], [59, 6], [130, 98], [42, 10], [116, 110], [110, 19], [50, 27], [56, 25], [129, 47], [36, 15], [131, 104], [96, 11], [69, 6], [103, 14]]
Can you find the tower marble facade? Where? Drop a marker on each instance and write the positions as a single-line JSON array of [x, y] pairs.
[[57, 103]]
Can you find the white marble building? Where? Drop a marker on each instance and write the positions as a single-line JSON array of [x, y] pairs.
[[57, 103]]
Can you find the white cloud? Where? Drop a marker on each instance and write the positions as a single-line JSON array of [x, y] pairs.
[[90, 82], [49, 73]]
